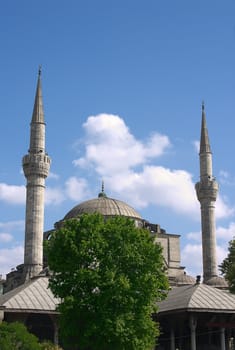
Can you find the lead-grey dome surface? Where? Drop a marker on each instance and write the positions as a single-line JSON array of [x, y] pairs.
[[183, 280], [217, 281], [105, 206]]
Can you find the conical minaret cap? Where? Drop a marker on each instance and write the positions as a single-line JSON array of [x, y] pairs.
[[204, 142], [38, 113]]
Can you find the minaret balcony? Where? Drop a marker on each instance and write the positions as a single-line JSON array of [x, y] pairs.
[[207, 190], [36, 164]]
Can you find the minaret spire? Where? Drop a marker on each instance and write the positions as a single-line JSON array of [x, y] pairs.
[[205, 143], [207, 189], [36, 165], [38, 114]]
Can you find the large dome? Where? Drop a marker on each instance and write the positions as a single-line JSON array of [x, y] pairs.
[[105, 206]]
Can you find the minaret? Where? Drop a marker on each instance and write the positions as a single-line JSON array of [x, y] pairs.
[[36, 165], [207, 189]]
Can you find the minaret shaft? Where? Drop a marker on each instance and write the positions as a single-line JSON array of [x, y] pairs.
[[205, 166], [37, 141], [36, 165], [207, 190], [208, 239]]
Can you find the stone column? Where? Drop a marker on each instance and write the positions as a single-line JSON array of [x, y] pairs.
[[193, 325], [172, 339], [1, 315], [56, 330], [222, 339]]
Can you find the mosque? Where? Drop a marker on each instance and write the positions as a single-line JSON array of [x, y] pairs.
[[195, 315]]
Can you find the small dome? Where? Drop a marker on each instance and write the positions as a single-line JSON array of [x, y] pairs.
[[217, 282], [183, 280], [105, 206]]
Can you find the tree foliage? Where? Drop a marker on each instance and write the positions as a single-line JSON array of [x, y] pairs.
[[47, 345], [227, 267], [15, 336], [109, 275]]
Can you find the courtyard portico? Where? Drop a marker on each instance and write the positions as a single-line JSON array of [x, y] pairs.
[[197, 317]]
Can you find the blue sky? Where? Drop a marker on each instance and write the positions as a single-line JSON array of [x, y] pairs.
[[123, 83]]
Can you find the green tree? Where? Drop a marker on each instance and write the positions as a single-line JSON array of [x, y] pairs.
[[227, 267], [15, 336], [109, 275], [47, 345]]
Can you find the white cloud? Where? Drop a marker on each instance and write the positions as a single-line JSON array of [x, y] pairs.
[[5, 237], [77, 188], [110, 147], [12, 225], [191, 254], [195, 236], [74, 188], [157, 185], [224, 174], [222, 233], [12, 194], [196, 145], [127, 167], [191, 257], [222, 208], [54, 196], [226, 233], [226, 178], [53, 176], [10, 258], [222, 253]]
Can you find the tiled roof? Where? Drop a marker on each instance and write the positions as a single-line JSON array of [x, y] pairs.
[[34, 296], [198, 298]]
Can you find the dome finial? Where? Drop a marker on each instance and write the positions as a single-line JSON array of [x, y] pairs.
[[39, 70], [203, 105], [102, 193]]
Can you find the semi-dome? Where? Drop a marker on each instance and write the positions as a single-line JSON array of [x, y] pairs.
[[105, 206], [217, 282], [184, 279]]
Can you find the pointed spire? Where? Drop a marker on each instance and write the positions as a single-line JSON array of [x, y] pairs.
[[204, 142], [38, 114]]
